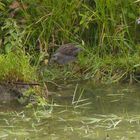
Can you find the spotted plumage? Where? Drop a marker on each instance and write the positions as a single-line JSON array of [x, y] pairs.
[[65, 54]]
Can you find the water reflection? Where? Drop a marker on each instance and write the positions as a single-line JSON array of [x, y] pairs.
[[80, 111]]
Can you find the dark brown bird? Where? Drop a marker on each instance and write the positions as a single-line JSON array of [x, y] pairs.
[[65, 54]]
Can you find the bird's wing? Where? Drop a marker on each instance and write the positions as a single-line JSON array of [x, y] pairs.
[[69, 49]]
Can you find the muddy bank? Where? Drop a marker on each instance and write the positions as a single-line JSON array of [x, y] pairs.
[[11, 94]]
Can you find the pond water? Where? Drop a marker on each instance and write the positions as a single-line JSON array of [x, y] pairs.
[[77, 112]]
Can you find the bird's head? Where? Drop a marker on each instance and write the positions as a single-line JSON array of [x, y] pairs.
[[54, 58]]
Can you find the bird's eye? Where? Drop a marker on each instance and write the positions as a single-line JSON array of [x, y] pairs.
[[54, 57]]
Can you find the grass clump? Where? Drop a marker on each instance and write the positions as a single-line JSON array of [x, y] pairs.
[[16, 67]]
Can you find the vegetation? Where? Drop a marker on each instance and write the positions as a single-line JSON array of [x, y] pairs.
[[106, 30], [16, 67]]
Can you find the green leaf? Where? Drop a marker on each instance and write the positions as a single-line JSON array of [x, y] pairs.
[[8, 47], [2, 6]]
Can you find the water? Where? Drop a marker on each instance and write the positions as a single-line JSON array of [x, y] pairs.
[[80, 111]]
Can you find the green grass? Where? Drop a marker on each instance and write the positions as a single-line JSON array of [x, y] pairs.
[[16, 67], [107, 30], [107, 69], [109, 25]]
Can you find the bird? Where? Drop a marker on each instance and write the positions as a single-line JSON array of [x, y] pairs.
[[65, 54]]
